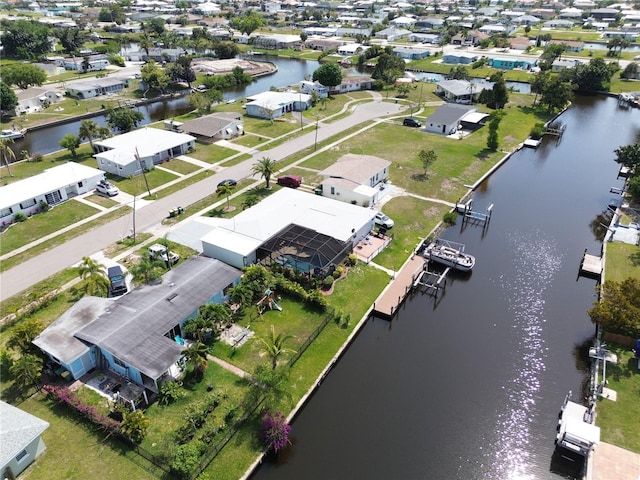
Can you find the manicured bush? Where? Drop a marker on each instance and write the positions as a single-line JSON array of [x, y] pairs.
[[450, 218], [186, 459], [274, 432], [20, 217], [317, 301], [327, 283]]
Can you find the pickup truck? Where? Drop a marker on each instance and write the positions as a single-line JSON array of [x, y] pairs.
[[160, 252], [118, 284]]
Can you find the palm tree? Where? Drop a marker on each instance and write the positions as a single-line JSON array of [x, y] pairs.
[[95, 276], [89, 129], [225, 190], [23, 335], [7, 152], [146, 271], [274, 346], [104, 133], [26, 370], [266, 168], [145, 43], [196, 356]]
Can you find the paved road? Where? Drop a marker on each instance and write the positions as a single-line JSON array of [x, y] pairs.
[[149, 218]]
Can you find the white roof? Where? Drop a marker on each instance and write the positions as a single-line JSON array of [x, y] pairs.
[[274, 99], [51, 179], [254, 226], [148, 141], [17, 430]]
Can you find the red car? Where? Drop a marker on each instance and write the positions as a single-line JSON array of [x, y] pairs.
[[293, 181]]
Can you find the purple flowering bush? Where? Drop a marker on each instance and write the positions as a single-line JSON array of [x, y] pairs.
[[67, 397], [275, 431]]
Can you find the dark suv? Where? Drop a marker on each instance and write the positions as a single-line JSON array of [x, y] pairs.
[[116, 279], [411, 122]]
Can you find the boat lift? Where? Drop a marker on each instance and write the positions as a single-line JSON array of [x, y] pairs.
[[431, 282], [474, 217]]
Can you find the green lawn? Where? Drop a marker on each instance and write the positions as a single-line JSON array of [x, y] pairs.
[[78, 450], [180, 166], [618, 420], [42, 224], [211, 153], [138, 185], [622, 262], [101, 200]]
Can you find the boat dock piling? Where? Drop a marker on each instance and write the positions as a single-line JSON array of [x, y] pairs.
[[471, 216], [388, 303], [433, 282], [591, 265]]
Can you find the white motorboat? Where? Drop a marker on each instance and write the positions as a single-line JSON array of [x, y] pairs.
[[449, 256], [13, 134], [576, 432]]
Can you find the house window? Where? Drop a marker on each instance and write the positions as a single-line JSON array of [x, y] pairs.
[[28, 203], [22, 456], [119, 362], [6, 212], [333, 191], [80, 184], [225, 291], [53, 197]]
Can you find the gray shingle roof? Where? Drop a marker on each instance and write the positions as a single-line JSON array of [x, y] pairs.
[[17, 430], [358, 168], [133, 328], [448, 114], [209, 125]]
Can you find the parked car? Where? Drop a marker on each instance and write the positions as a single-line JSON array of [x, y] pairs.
[[117, 281], [412, 122], [382, 220], [230, 182], [160, 252], [106, 188], [293, 181]]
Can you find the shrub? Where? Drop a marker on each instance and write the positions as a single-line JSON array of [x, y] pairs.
[[537, 131], [275, 431], [634, 188], [337, 273], [450, 218], [36, 157], [186, 459], [327, 283], [134, 426], [20, 217], [44, 206], [169, 393], [316, 300], [351, 260]]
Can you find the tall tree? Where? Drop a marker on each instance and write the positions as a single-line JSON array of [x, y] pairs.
[[8, 98], [618, 310], [593, 77], [95, 277], [72, 39], [556, 94], [225, 190], [7, 153], [71, 142], [248, 22], [629, 156], [275, 346], [266, 167], [538, 83], [389, 68], [154, 76], [427, 157], [146, 44], [328, 74], [23, 75], [147, 271], [22, 336], [25, 39], [89, 130], [124, 119]]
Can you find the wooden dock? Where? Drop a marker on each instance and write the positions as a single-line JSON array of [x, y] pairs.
[[591, 265], [387, 304]]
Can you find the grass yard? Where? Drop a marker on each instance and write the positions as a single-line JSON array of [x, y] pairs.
[[101, 200], [137, 185], [75, 449], [180, 166], [42, 224], [622, 262], [211, 153], [615, 418], [251, 140]]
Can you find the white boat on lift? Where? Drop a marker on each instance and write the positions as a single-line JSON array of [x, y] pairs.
[[577, 435], [449, 254], [12, 134]]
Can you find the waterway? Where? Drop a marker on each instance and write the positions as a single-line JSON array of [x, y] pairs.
[[290, 72], [469, 386]]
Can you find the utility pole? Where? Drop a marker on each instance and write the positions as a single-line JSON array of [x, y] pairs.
[[144, 174]]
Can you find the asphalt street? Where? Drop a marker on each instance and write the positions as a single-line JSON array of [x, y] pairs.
[[149, 218]]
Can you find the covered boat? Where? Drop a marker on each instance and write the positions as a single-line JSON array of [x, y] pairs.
[[13, 134], [450, 256]]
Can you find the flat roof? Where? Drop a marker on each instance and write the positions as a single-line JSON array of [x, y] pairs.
[[148, 141], [51, 179], [274, 99], [259, 223]]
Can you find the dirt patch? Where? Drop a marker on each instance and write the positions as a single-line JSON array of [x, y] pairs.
[[430, 212]]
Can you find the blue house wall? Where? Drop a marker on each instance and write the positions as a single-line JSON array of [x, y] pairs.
[[511, 63]]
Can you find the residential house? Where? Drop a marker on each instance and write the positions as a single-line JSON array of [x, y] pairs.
[[126, 28], [543, 13], [92, 63], [458, 91], [272, 105], [475, 37], [35, 99], [570, 13], [430, 38], [447, 118], [277, 41], [353, 84], [351, 49], [491, 29], [509, 63], [393, 34], [558, 23], [572, 46], [411, 53], [403, 22], [355, 179], [129, 154], [459, 58], [54, 185], [427, 24], [526, 20], [20, 440], [559, 65], [604, 14], [519, 43], [213, 127], [155, 53], [620, 34], [95, 87], [322, 44], [137, 335], [345, 31], [314, 87]]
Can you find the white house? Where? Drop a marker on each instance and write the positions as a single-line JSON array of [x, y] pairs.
[[52, 186], [91, 65], [275, 104], [458, 91], [355, 179], [351, 49], [20, 439], [353, 84], [95, 87], [128, 154], [308, 232], [35, 99], [446, 119]]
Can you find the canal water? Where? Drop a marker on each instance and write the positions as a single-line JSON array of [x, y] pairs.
[[290, 71], [469, 386]]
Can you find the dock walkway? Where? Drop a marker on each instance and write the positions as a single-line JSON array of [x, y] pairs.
[[397, 290]]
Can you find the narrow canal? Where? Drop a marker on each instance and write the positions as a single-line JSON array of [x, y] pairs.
[[469, 386]]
